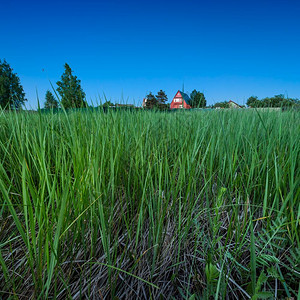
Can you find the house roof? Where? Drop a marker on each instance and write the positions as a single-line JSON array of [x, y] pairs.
[[186, 98]]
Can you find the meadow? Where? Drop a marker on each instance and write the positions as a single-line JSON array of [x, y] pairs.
[[150, 205]]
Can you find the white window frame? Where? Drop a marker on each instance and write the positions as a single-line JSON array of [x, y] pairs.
[[177, 100]]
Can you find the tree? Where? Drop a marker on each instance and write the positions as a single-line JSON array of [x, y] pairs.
[[197, 99], [69, 88], [278, 101], [252, 101], [275, 101], [108, 104], [11, 91], [224, 104], [151, 101], [50, 101], [162, 98]]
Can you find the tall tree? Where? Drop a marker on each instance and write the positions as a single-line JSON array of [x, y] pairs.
[[151, 101], [69, 88], [197, 99], [11, 91], [50, 101], [162, 98]]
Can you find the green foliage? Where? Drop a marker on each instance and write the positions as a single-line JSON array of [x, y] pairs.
[[162, 99], [50, 101], [212, 273], [276, 101], [158, 102], [107, 103], [224, 104], [197, 99], [253, 101], [69, 88], [12, 95], [152, 102], [258, 294]]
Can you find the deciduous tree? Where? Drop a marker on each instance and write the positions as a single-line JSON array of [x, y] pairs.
[[275, 101], [11, 91], [252, 101], [108, 104], [224, 104], [197, 99]]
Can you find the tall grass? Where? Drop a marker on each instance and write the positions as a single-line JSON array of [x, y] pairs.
[[148, 205]]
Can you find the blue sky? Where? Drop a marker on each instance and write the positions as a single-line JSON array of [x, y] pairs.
[[124, 49]]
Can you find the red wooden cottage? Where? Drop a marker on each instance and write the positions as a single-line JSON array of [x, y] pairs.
[[181, 100]]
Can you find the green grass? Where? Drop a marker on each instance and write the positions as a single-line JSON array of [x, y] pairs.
[[146, 205]]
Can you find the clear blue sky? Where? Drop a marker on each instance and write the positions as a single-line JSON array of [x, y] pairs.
[[226, 49]]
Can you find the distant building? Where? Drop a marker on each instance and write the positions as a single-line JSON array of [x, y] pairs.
[[233, 105], [181, 100], [144, 102]]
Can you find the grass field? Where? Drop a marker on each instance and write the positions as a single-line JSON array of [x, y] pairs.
[[150, 205]]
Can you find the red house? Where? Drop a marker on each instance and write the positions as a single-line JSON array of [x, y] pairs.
[[181, 100]]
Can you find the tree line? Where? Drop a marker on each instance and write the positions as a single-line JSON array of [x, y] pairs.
[[12, 94], [71, 94], [254, 102], [275, 101]]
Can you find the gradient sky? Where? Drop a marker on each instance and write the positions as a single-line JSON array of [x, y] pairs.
[[124, 49]]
